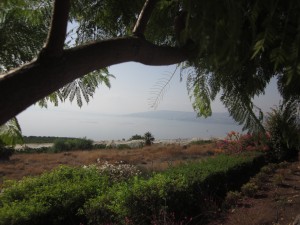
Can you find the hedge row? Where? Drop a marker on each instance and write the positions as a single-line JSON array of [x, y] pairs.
[[77, 195], [184, 191]]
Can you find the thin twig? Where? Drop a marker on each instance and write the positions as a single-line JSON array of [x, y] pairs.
[[143, 18]]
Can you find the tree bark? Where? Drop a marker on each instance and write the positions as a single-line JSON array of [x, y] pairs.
[[56, 38], [144, 17], [24, 86]]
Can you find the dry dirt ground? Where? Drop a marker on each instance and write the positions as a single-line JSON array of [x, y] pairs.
[[278, 203], [155, 157]]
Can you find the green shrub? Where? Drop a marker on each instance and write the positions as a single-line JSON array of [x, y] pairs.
[[53, 198], [284, 126], [237, 143], [148, 137], [201, 142], [267, 169], [87, 195], [260, 179], [35, 150], [249, 189], [283, 164], [60, 145], [136, 137], [181, 190], [82, 144], [278, 179], [232, 198], [123, 146], [72, 144], [99, 146]]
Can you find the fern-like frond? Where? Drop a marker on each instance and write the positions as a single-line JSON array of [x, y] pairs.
[[159, 89], [243, 110], [85, 86], [199, 91], [11, 133]]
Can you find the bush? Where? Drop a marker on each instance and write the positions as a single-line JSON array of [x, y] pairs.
[[249, 189], [136, 137], [201, 142], [72, 144], [99, 146], [237, 143], [278, 179], [35, 150], [267, 169], [53, 198], [5, 152], [260, 179], [123, 146], [148, 138], [119, 172], [60, 145], [181, 190], [232, 198], [93, 196], [284, 127]]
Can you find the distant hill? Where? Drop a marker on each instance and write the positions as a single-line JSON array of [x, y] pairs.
[[222, 118]]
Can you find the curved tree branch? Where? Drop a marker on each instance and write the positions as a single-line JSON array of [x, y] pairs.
[[24, 86], [58, 29], [144, 17]]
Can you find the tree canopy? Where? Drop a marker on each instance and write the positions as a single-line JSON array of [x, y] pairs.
[[229, 47]]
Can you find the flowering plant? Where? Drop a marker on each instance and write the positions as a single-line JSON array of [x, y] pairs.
[[236, 142], [119, 171]]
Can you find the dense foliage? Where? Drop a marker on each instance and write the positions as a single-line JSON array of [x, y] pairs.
[[5, 152], [136, 137], [72, 144], [148, 137], [242, 45], [236, 142], [10, 133], [234, 47], [23, 29], [86, 195], [43, 139], [52, 198], [283, 124]]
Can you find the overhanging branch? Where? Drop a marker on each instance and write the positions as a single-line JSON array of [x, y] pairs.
[[143, 18], [24, 86], [58, 29]]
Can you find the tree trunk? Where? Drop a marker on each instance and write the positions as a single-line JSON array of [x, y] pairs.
[[26, 85]]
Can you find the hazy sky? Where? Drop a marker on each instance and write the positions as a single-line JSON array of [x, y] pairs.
[[130, 92]]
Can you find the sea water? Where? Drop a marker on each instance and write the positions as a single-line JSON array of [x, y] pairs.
[[117, 127]]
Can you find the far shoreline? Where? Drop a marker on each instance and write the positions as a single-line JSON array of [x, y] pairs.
[[179, 141]]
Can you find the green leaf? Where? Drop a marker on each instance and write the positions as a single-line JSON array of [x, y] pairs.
[[11, 133]]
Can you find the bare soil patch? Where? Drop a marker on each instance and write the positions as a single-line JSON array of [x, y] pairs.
[[155, 157]]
